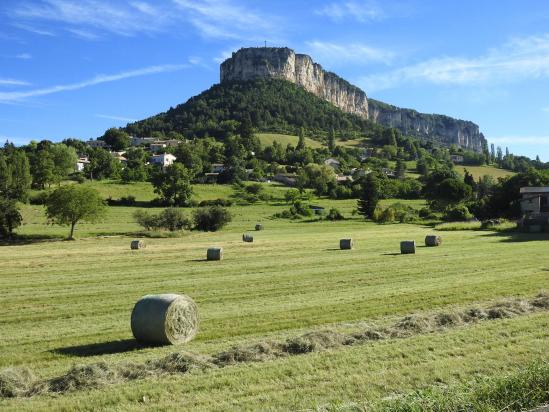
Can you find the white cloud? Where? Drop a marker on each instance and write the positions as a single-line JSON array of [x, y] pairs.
[[13, 82], [222, 19], [24, 56], [34, 30], [117, 118], [334, 53], [17, 96], [519, 59], [520, 140], [123, 19], [362, 11], [224, 55], [84, 34]]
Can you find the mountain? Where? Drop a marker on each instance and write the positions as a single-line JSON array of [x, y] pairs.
[[283, 63]]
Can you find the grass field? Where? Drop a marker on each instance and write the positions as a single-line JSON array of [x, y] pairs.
[[67, 303], [479, 171]]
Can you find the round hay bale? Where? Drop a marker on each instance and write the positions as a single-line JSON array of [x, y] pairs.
[[247, 238], [433, 240], [346, 243], [164, 319], [214, 253], [408, 246], [259, 227], [137, 244]]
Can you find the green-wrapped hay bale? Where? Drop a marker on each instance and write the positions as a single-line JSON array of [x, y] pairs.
[[433, 240], [247, 238], [214, 253], [407, 247], [346, 244], [259, 227], [164, 319], [137, 244]]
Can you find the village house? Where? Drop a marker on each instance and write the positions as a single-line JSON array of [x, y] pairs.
[[218, 168], [456, 158], [158, 147], [81, 163], [163, 160], [333, 163], [119, 156], [97, 143], [139, 141], [534, 205]]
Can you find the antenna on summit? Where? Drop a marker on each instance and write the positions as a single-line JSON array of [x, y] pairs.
[[265, 43]]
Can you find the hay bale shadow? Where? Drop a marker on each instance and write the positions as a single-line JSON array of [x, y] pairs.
[[101, 348], [199, 260], [391, 254]]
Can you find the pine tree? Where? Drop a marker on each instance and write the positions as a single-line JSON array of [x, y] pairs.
[[369, 196], [331, 141], [301, 142]]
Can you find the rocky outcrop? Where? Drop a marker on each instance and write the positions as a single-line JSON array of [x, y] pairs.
[[283, 63], [435, 127]]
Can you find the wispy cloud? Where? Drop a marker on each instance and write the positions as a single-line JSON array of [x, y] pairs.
[[224, 55], [334, 53], [117, 118], [361, 11], [125, 19], [18, 96], [519, 59], [24, 56], [32, 29], [13, 82], [223, 19], [545, 109], [84, 34]]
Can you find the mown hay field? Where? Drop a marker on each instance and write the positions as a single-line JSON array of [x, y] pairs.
[[69, 303]]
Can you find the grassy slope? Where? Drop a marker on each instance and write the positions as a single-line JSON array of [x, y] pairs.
[[71, 294], [479, 171]]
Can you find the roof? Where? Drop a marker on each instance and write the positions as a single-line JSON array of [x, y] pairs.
[[532, 189]]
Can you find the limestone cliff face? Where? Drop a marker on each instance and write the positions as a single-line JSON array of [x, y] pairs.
[[283, 63]]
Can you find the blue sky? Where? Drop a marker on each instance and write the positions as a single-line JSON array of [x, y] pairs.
[[73, 68]]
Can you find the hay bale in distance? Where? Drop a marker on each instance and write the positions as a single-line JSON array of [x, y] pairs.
[[259, 227], [164, 319], [346, 243], [247, 238], [214, 253], [137, 244], [433, 240], [408, 246]]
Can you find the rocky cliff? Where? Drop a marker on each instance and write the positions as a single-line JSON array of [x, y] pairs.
[[283, 63]]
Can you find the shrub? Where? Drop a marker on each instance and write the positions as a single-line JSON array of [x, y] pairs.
[[395, 212], [174, 219], [216, 202], [426, 213], [457, 213], [334, 214], [211, 218], [39, 198], [171, 219], [123, 201]]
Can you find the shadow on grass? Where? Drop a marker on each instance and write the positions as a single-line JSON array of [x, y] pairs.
[[102, 348], [19, 240], [516, 236], [391, 254]]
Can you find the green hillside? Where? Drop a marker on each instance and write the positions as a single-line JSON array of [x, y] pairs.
[[272, 105], [479, 171]]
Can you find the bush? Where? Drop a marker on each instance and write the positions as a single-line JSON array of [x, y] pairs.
[[39, 198], [334, 214], [123, 201], [216, 202], [457, 213], [395, 212], [171, 219], [211, 218]]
